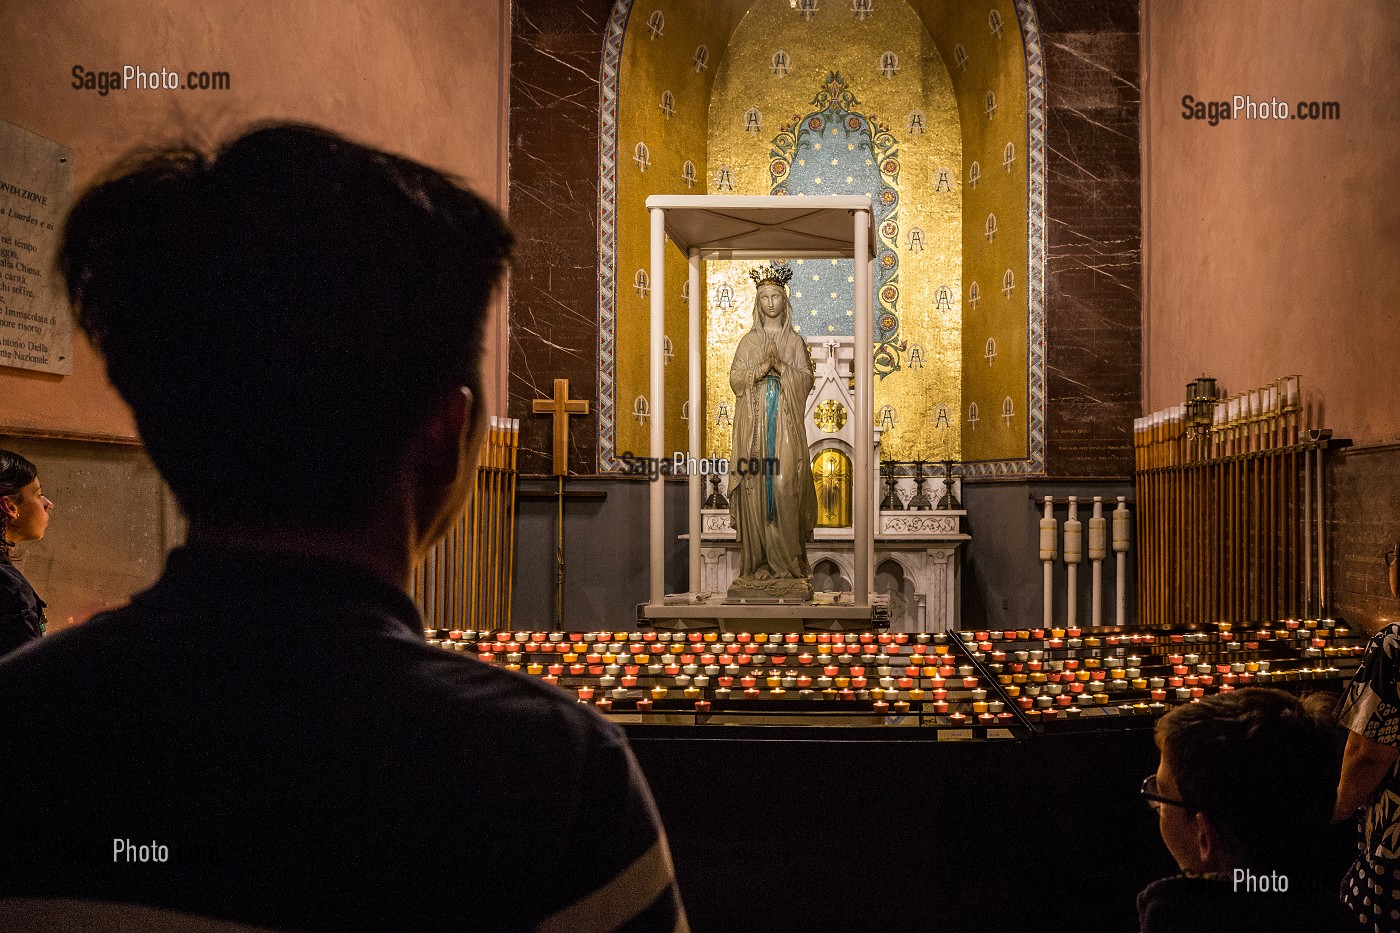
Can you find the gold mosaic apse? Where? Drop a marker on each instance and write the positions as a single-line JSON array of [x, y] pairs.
[[660, 66], [690, 90], [776, 67], [982, 44]]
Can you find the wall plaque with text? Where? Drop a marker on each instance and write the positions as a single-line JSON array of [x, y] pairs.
[[36, 188]]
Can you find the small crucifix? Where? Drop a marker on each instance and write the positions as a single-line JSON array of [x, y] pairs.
[[561, 407]]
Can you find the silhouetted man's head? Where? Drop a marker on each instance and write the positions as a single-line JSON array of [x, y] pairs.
[[287, 318]]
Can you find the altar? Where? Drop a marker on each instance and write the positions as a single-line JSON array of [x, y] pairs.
[[870, 565], [917, 564], [918, 537]]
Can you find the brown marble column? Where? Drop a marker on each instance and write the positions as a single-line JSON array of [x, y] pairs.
[[1094, 227], [556, 55]]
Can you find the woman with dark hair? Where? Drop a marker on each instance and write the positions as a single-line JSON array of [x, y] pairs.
[[24, 515]]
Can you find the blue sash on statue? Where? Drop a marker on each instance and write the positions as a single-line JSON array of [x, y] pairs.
[[774, 390]]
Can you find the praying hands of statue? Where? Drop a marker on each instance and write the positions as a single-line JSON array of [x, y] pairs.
[[772, 361]]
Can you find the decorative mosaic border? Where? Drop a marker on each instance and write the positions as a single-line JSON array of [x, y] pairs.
[[607, 237], [1035, 120], [607, 247]]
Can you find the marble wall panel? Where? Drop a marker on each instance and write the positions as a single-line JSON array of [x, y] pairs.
[[1363, 489], [556, 51], [1093, 204], [1088, 16]]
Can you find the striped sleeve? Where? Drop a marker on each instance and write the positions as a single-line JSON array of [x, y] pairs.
[[616, 862]]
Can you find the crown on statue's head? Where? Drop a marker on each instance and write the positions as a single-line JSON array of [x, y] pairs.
[[771, 274]]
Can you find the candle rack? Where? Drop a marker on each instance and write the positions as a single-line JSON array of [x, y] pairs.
[[976, 684]]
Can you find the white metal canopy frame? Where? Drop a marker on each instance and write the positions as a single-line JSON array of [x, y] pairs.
[[760, 227]]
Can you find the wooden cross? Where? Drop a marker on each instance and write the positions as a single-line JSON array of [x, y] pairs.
[[561, 407]]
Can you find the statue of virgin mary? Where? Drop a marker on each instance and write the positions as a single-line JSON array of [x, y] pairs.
[[772, 499]]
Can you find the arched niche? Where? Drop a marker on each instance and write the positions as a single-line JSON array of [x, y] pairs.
[[714, 109]]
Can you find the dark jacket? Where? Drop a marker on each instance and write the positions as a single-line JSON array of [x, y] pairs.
[[1183, 904], [271, 740], [21, 609]]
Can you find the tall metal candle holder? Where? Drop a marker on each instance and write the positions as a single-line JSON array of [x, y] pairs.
[[920, 501], [891, 502], [949, 501]]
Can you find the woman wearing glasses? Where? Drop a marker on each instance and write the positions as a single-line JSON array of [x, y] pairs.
[[1243, 795]]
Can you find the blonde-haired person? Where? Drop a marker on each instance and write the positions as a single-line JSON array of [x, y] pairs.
[[24, 516]]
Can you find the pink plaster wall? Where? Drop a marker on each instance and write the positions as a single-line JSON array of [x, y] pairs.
[[423, 78], [1274, 247]]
